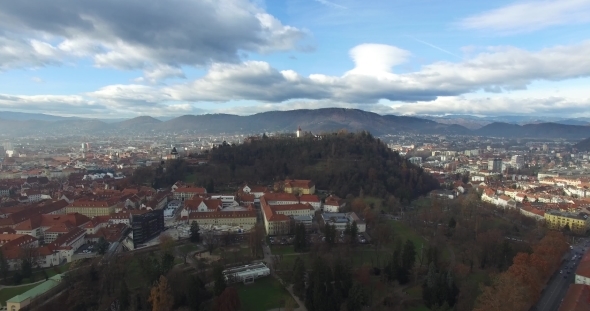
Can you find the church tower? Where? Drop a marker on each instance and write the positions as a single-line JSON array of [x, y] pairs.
[[299, 132]]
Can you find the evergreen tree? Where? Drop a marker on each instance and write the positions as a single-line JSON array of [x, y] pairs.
[[342, 278], [299, 277], [300, 241], [354, 230], [357, 298], [3, 265], [195, 232], [102, 246], [219, 280]]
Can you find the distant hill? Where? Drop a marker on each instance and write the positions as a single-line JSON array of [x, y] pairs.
[[540, 130], [23, 116], [315, 121], [140, 123], [584, 145]]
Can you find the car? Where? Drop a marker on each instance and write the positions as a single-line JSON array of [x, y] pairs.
[[560, 271]]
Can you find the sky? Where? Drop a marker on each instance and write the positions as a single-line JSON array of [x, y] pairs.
[[165, 58]]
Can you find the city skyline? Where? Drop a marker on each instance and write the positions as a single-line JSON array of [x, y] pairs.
[[124, 59]]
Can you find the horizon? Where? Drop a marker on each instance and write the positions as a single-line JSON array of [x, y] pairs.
[[506, 58]]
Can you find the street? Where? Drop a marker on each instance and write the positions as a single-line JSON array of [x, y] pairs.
[[559, 283]]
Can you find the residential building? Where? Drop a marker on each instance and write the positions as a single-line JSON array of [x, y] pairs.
[[147, 226], [276, 216], [532, 212], [495, 165], [340, 220], [186, 193], [311, 199], [578, 223], [245, 218], [45, 289], [299, 186], [333, 204], [583, 270], [94, 208]]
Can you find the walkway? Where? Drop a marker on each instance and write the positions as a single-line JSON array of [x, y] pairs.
[[268, 261]]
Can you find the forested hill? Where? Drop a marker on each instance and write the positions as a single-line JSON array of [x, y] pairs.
[[341, 163]]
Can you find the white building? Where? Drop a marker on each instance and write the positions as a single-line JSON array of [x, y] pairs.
[[246, 273]]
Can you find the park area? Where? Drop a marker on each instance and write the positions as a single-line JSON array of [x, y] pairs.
[[264, 294]]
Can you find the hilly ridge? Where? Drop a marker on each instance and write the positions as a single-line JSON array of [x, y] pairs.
[[316, 121]]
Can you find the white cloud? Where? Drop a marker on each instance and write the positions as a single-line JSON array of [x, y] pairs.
[[499, 69], [376, 59], [530, 16], [498, 105], [139, 34]]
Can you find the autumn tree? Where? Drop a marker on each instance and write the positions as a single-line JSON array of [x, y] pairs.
[[166, 243], [228, 300], [161, 297], [505, 293]]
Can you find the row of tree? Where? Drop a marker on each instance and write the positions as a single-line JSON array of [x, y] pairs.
[[520, 286]]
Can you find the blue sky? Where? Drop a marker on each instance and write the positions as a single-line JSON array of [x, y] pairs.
[[167, 58]]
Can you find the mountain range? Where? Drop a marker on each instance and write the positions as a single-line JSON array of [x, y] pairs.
[[318, 120], [475, 122]]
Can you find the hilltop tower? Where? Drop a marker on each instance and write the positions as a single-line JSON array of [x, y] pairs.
[[299, 132]]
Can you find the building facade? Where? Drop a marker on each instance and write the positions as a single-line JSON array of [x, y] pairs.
[[147, 226]]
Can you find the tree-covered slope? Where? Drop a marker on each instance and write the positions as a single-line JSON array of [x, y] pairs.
[[341, 163]]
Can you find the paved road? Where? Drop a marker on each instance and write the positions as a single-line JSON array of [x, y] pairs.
[[557, 287]]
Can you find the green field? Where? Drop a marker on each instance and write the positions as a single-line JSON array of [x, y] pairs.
[[282, 249], [7, 293], [39, 276], [192, 178], [265, 294], [405, 232]]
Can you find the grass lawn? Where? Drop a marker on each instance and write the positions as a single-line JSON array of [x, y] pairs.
[[405, 232], [421, 202], [419, 308], [10, 292], [39, 276], [415, 292], [192, 178], [265, 294], [376, 202], [282, 249]]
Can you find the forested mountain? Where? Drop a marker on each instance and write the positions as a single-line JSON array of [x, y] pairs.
[[541, 130], [584, 145], [310, 120], [341, 163]]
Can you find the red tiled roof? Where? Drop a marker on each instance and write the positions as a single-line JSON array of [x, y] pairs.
[[232, 214], [309, 198], [577, 298], [298, 183], [212, 204], [279, 196], [584, 266], [196, 190]]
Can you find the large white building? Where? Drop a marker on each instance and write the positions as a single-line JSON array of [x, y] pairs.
[[276, 215], [246, 273]]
